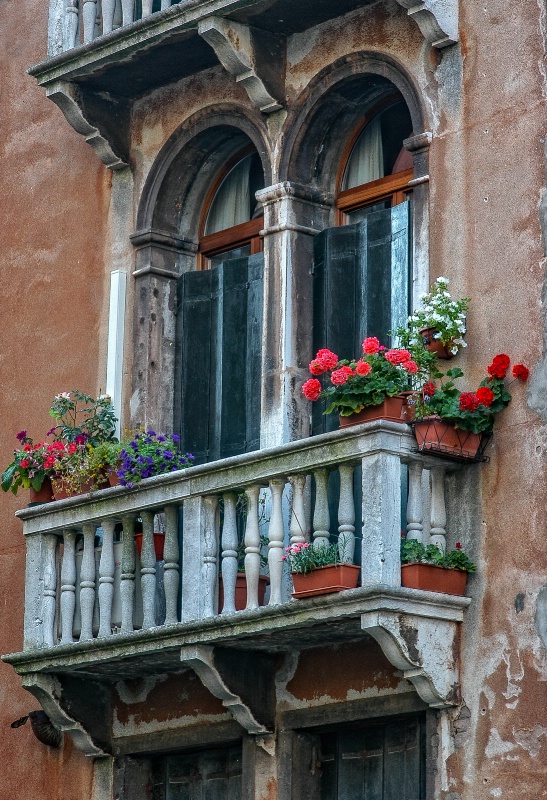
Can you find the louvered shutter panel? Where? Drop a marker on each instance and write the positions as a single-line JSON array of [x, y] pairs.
[[221, 359], [361, 286]]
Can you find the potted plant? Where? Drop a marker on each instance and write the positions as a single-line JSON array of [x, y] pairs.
[[32, 467], [427, 567], [149, 453], [440, 323], [370, 387], [319, 570], [456, 423], [104, 462]]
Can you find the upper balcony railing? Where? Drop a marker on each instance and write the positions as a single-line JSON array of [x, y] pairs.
[[85, 579]]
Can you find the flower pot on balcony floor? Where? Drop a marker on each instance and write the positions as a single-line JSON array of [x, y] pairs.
[[438, 437], [393, 409], [432, 578], [434, 345], [325, 580], [42, 495], [159, 541], [241, 591]]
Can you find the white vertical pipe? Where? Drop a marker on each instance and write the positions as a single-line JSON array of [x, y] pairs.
[[116, 325]]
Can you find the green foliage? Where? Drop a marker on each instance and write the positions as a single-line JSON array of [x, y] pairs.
[[304, 557], [413, 551], [79, 414], [440, 312]]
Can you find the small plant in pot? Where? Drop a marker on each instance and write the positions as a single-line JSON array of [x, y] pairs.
[[427, 567], [457, 423], [320, 568], [360, 390], [32, 467], [440, 323]]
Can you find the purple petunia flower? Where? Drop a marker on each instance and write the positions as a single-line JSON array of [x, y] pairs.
[[21, 436]]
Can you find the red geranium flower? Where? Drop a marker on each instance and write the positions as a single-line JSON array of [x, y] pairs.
[[485, 396], [24, 463], [363, 368], [468, 401], [521, 372], [397, 356], [371, 345], [340, 376], [429, 389], [312, 389], [410, 366], [499, 366], [316, 367], [326, 358]]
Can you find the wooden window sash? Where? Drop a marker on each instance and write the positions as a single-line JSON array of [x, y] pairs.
[[381, 189], [230, 239]]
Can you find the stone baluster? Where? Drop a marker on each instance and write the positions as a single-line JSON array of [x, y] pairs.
[[49, 597], [438, 508], [171, 564], [127, 577], [71, 25], [89, 15], [87, 583], [297, 526], [229, 553], [210, 556], [128, 11], [106, 578], [108, 9], [414, 508], [117, 22], [146, 8], [252, 547], [346, 515], [68, 586], [321, 516], [275, 546], [165, 4], [148, 571]]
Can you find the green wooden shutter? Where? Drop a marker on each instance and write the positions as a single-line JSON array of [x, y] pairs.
[[361, 286], [208, 775], [221, 359], [377, 762]]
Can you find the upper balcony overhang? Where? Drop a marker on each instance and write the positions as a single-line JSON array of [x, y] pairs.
[[73, 628], [94, 83]]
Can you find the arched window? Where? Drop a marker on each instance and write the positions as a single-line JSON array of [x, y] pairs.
[[232, 217], [376, 168], [362, 264], [220, 307]]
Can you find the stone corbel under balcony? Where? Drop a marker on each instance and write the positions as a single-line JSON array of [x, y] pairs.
[[437, 20], [215, 671], [255, 59], [421, 643], [103, 123]]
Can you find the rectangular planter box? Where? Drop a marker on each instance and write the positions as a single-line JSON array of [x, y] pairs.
[[432, 578], [325, 580]]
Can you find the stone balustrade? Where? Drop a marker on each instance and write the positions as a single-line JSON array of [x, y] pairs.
[[85, 579]]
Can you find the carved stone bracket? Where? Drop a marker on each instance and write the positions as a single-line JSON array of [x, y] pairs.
[[47, 691], [437, 20], [214, 674], [99, 123], [254, 58], [423, 647]]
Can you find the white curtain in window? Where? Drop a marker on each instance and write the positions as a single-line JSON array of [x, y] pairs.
[[232, 202], [366, 162]]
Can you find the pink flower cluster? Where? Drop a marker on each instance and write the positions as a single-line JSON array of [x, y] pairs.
[[294, 549]]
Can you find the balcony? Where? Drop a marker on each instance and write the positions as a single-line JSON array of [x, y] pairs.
[[103, 55], [102, 611]]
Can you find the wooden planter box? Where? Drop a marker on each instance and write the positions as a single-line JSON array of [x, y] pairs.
[[432, 578], [325, 580]]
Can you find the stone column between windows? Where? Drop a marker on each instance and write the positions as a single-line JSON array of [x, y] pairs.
[[161, 259], [293, 215]]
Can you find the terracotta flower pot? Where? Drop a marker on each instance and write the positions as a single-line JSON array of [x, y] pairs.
[[433, 578], [113, 479], [159, 541], [241, 591], [42, 495], [61, 492], [436, 436], [434, 345], [393, 409], [325, 580]]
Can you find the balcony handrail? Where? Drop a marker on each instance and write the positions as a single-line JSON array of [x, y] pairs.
[[230, 474]]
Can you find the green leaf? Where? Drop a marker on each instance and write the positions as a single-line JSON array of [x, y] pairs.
[[7, 477]]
